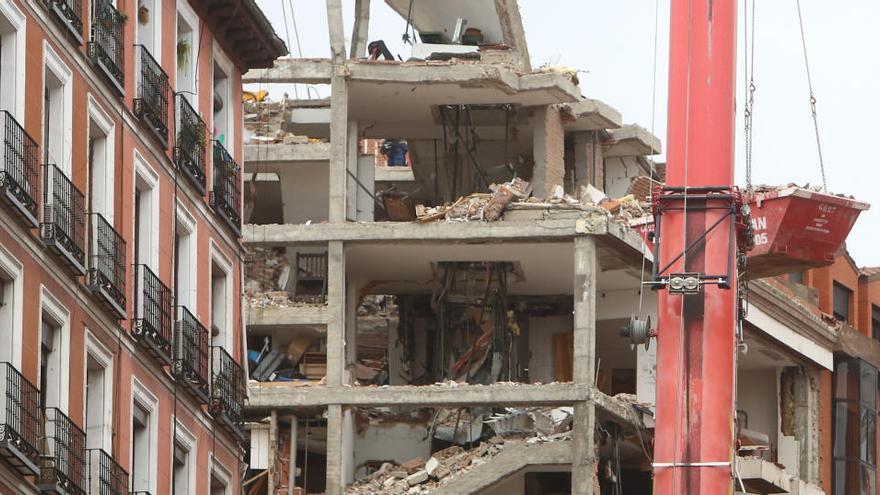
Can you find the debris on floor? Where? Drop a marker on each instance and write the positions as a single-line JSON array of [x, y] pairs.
[[516, 195]]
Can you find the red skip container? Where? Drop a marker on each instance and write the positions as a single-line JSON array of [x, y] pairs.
[[797, 229]]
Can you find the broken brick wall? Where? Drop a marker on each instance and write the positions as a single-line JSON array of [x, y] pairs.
[[549, 151]]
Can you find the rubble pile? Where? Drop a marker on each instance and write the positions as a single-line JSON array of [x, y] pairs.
[[418, 476], [513, 426], [264, 270], [263, 121], [516, 195]]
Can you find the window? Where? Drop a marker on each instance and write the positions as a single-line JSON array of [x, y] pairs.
[[222, 107], [57, 111], [12, 44], [796, 277], [221, 301], [146, 214], [99, 395], [54, 350], [187, 39], [183, 462], [100, 160], [148, 26], [221, 480], [144, 428], [875, 321], [11, 304], [854, 448], [185, 260], [842, 297]]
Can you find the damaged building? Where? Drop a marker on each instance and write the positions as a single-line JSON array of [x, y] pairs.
[[440, 259]]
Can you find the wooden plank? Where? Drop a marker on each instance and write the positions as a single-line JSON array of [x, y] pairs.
[[563, 360]]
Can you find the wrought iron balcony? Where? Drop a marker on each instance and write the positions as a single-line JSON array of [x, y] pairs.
[[20, 428], [226, 196], [107, 265], [190, 150], [152, 326], [151, 104], [106, 477], [63, 465], [19, 169], [227, 390], [69, 13], [191, 358], [64, 218], [106, 48]]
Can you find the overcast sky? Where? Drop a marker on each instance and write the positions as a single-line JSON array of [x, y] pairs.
[[613, 42]]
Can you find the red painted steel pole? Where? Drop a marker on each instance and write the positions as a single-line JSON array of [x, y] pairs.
[[693, 451]]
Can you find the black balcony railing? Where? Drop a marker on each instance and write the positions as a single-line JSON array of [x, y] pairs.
[[190, 150], [227, 389], [151, 104], [107, 265], [63, 465], [19, 169], [69, 13], [106, 477], [106, 48], [152, 327], [226, 196], [191, 358], [20, 428], [64, 218]]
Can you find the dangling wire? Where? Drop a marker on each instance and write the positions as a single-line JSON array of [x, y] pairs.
[[749, 74], [812, 98], [652, 173]]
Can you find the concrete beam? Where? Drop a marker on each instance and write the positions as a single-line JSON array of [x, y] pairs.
[[620, 412], [559, 89], [515, 457], [265, 396], [275, 316], [286, 153], [292, 70], [632, 140], [593, 115], [285, 234]]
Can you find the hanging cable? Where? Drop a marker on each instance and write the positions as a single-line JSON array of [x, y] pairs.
[[287, 34], [812, 97], [749, 74], [653, 165]]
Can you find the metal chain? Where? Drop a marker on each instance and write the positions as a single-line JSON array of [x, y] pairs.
[[812, 98], [750, 92]]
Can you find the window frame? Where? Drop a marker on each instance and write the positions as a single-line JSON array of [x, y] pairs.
[[866, 408], [836, 288], [14, 270], [147, 181], [18, 22], [50, 305], [106, 196], [188, 441], [142, 397], [54, 64], [186, 223], [97, 351], [225, 265]]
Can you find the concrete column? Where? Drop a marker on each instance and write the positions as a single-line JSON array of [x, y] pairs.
[[339, 126], [583, 446], [548, 150], [352, 290], [588, 161], [361, 30], [336, 308], [801, 418], [334, 450], [273, 450], [291, 470]]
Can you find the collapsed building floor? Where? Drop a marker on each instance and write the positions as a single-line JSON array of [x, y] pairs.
[[451, 323]]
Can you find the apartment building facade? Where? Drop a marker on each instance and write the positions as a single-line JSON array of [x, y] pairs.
[[120, 319]]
